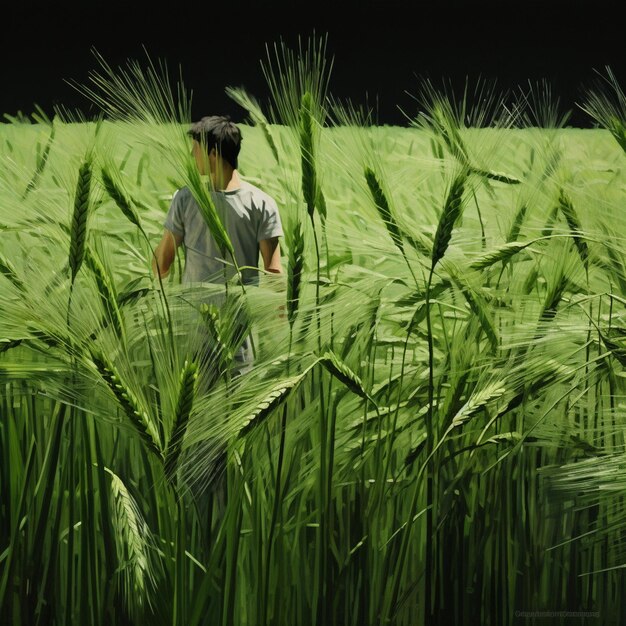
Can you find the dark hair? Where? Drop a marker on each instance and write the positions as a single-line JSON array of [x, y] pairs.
[[218, 131]]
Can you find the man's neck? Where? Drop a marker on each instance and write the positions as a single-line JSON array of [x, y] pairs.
[[228, 181]]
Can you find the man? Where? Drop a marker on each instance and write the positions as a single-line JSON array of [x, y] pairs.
[[249, 215]]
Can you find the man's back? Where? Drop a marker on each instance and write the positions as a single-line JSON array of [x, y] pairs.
[[249, 216]]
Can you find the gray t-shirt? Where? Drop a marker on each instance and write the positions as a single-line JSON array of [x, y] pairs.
[[248, 214]]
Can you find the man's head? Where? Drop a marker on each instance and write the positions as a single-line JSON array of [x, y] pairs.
[[217, 133]]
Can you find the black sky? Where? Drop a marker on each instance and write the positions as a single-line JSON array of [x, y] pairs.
[[380, 49]]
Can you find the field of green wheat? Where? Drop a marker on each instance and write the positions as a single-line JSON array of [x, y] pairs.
[[433, 429]]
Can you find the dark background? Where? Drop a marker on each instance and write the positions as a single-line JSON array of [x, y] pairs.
[[380, 50]]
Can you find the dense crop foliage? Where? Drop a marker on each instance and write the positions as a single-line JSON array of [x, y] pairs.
[[433, 432]]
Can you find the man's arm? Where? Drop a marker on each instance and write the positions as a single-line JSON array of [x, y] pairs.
[[270, 253], [165, 253]]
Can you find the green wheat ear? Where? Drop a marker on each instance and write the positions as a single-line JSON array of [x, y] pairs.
[[617, 349], [502, 253], [8, 271], [574, 224], [606, 104], [478, 307], [42, 159], [383, 207], [248, 102], [186, 394], [445, 126], [203, 197], [132, 542], [78, 231], [211, 316], [294, 273], [617, 128], [106, 290], [118, 194], [307, 153], [343, 373], [516, 226], [137, 415], [480, 399], [275, 398], [449, 217]]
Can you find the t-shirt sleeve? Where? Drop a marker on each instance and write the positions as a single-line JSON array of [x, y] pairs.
[[270, 224], [174, 218]]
